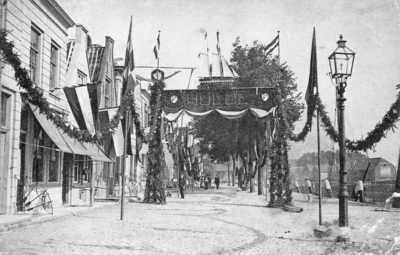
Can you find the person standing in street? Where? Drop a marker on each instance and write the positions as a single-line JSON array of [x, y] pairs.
[[216, 181], [182, 184]]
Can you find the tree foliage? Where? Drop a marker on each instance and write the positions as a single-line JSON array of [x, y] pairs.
[[224, 139], [329, 158]]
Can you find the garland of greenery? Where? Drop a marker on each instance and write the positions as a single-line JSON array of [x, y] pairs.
[[280, 171], [387, 123], [374, 136], [35, 97], [154, 191]]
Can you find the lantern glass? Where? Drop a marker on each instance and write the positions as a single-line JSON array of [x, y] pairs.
[[341, 61]]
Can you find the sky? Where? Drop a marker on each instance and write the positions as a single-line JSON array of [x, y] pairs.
[[370, 27]]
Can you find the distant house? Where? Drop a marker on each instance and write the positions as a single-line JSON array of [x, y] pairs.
[[379, 170], [325, 169]]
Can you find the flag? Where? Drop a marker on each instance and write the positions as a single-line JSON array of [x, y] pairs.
[[157, 46], [270, 47], [313, 78], [83, 102], [129, 79], [129, 83], [219, 55]]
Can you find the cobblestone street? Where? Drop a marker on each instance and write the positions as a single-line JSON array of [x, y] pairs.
[[205, 222]]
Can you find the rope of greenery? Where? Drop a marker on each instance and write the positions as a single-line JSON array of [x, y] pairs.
[[387, 123], [280, 182], [35, 97], [154, 191]]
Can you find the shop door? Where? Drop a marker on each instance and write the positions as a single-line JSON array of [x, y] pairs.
[[4, 150]]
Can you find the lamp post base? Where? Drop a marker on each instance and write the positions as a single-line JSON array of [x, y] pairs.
[[345, 238]]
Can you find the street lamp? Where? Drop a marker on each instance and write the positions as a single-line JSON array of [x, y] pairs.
[[341, 64]]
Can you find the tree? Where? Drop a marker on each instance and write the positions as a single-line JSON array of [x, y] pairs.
[[258, 69], [329, 158], [245, 137]]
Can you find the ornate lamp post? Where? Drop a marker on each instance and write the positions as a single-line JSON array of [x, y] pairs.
[[341, 65]]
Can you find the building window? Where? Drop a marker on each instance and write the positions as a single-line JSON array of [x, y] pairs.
[[53, 66], [34, 55], [107, 94], [4, 109], [81, 77]]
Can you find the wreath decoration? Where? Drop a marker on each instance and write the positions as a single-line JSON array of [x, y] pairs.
[[155, 73]]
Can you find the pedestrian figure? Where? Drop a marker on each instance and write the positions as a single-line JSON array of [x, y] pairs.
[[206, 182], [216, 181], [182, 183], [209, 181]]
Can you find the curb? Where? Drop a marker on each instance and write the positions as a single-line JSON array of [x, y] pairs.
[[6, 227]]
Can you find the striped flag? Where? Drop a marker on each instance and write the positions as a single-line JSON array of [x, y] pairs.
[[219, 55], [157, 46], [83, 102], [270, 47], [129, 83], [129, 79]]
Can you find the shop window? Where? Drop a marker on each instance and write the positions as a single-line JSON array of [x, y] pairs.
[[53, 162], [37, 169]]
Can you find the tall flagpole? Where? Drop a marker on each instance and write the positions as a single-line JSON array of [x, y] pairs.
[[158, 58], [124, 163], [279, 57], [319, 167], [208, 57]]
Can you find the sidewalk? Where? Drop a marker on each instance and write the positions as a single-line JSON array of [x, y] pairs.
[[21, 219]]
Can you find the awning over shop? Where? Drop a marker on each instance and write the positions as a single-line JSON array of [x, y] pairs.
[[51, 130], [66, 143], [96, 153], [118, 136]]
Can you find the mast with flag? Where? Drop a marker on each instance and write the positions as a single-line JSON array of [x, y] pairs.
[[271, 47], [209, 65], [311, 94], [157, 50], [128, 87], [219, 55]]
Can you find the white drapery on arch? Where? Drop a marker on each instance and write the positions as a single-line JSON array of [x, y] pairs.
[[258, 113]]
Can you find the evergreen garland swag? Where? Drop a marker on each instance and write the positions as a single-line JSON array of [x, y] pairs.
[[35, 97], [280, 182], [154, 191], [387, 123]]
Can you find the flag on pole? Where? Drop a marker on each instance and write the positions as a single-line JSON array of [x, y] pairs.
[[313, 78], [270, 47], [129, 79], [157, 46], [128, 85], [219, 55]]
